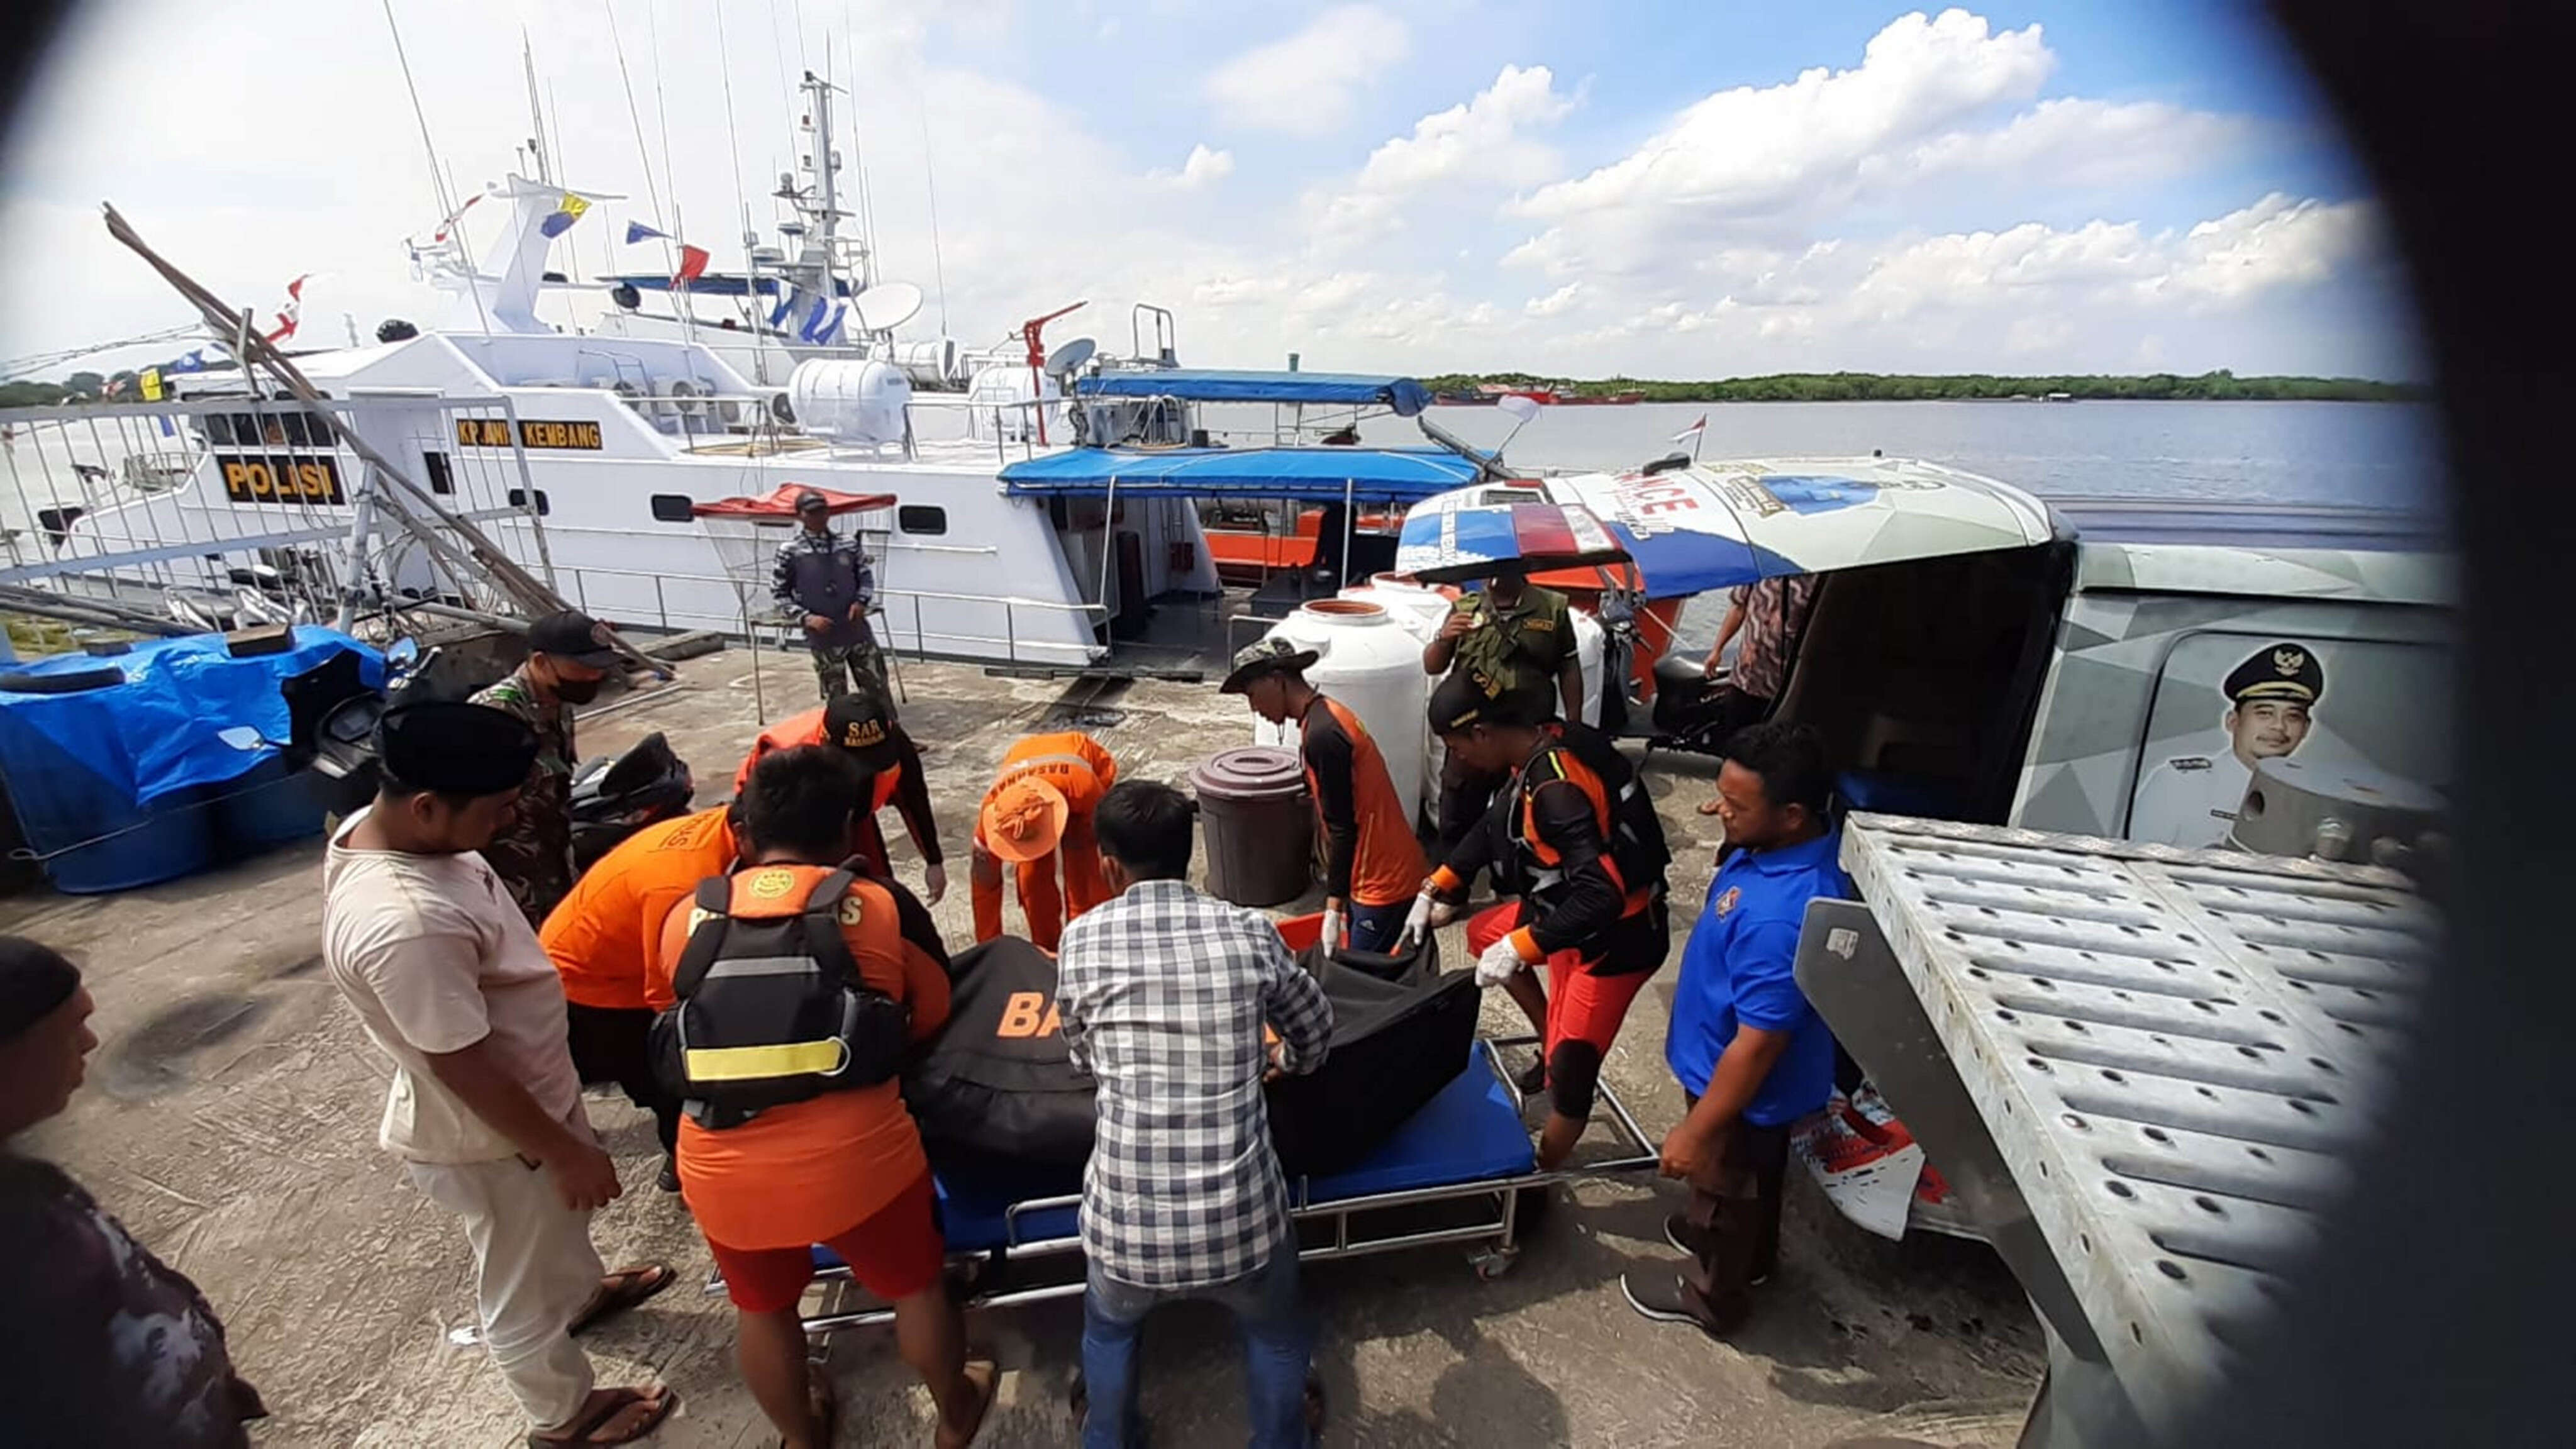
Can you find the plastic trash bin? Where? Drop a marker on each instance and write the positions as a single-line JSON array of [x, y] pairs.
[[1259, 825]]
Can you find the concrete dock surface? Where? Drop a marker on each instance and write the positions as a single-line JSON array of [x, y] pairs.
[[230, 1120]]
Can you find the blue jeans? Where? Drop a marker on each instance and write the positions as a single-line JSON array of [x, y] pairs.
[[1278, 1344], [1374, 928]]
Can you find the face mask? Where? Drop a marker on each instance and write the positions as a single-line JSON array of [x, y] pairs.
[[578, 691]]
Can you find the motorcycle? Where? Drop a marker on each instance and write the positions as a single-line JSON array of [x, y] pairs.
[[612, 799], [331, 728]]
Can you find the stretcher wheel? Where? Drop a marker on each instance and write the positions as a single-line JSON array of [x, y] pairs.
[[1493, 1263]]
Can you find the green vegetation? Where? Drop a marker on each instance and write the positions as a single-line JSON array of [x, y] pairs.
[[80, 387], [2219, 386]]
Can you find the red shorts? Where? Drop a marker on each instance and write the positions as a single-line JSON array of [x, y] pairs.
[[894, 1254], [1580, 1005]]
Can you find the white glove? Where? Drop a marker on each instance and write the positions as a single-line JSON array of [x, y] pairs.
[[1417, 922], [934, 882], [1500, 963], [1332, 933]]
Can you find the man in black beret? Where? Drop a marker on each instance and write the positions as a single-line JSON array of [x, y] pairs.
[[569, 656], [102, 1342], [449, 980]]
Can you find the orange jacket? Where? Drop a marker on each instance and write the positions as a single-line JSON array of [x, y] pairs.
[[601, 938], [1071, 761]]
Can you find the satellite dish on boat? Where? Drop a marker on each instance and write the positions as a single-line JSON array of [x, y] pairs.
[[1065, 360], [886, 306]]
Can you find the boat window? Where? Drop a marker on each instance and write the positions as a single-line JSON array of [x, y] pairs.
[[672, 507], [519, 499], [440, 479], [219, 430], [921, 518]]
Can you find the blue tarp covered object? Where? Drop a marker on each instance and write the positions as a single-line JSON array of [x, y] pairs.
[[156, 734], [1352, 389], [1316, 475]]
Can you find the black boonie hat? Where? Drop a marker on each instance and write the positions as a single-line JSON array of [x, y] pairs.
[[456, 748], [1264, 656], [573, 636]]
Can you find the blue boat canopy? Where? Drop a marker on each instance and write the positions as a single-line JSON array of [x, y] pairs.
[[1314, 475], [714, 284], [1406, 396]]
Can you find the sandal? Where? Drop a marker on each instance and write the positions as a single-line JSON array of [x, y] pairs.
[[986, 1376], [622, 1290], [597, 1425]]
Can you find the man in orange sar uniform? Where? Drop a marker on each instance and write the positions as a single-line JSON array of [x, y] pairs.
[[1039, 809], [862, 722], [601, 938], [844, 1167]]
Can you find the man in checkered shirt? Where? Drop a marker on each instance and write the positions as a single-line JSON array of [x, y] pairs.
[[1163, 992]]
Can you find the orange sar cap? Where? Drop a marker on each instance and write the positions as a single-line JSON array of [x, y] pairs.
[[1023, 820]]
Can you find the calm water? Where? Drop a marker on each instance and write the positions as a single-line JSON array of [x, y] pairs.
[[2382, 455]]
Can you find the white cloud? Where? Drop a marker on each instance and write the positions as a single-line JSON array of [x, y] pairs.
[[1483, 141], [1204, 167], [1776, 157], [1306, 84], [2276, 242], [1555, 302], [2073, 142]]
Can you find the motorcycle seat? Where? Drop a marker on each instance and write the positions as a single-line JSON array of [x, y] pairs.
[[1679, 669]]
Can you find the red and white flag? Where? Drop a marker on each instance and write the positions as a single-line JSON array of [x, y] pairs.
[[292, 313], [1693, 431]]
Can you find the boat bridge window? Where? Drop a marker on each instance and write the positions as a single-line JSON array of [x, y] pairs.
[[672, 508], [519, 499], [440, 479], [922, 519], [268, 429]]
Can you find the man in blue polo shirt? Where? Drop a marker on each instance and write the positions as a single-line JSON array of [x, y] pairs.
[[1752, 1056]]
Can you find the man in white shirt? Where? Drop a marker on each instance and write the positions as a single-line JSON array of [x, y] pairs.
[[451, 985], [2191, 800]]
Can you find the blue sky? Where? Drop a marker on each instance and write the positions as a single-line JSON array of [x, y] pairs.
[[1658, 190]]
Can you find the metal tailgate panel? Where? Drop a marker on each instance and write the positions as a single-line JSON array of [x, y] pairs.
[[2175, 1051]]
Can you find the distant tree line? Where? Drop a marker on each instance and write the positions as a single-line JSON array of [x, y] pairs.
[[2219, 386], [80, 387]]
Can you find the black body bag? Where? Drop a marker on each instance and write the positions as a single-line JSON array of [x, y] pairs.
[[996, 1094], [1401, 1032]]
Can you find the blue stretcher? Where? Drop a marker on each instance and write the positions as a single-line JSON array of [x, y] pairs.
[[1453, 1173]]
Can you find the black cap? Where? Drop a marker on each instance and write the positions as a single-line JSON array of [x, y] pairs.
[[456, 748], [861, 722], [810, 501], [2284, 671], [1469, 697], [34, 980], [573, 636]]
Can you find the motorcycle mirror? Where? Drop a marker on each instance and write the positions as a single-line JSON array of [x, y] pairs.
[[242, 737], [403, 653]]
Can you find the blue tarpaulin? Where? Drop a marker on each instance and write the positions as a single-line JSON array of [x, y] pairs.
[[1354, 389], [156, 734], [1316, 475]]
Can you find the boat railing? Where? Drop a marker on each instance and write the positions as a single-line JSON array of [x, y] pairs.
[[212, 495]]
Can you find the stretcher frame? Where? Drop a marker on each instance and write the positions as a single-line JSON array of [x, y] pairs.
[[1496, 1233]]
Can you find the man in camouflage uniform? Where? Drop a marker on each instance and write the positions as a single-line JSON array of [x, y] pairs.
[[569, 655], [824, 580], [1519, 634]]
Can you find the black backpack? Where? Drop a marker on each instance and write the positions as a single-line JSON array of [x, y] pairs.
[[772, 1010]]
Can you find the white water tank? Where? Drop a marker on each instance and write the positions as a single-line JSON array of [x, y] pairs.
[[931, 363], [1373, 665], [995, 401], [852, 402], [1419, 607]]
